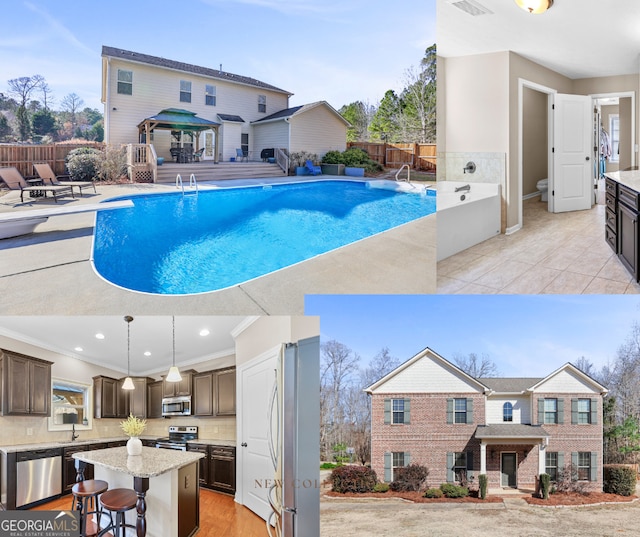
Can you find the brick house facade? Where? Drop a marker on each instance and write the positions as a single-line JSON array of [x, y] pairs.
[[428, 411]]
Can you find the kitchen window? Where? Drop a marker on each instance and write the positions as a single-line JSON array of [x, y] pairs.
[[262, 104], [210, 95], [125, 82], [185, 91], [70, 405]]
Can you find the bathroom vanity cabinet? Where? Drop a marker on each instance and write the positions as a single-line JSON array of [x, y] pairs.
[[621, 220]]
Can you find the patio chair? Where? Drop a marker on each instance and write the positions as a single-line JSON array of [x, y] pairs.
[[14, 181], [198, 154], [313, 170], [45, 173], [242, 155], [175, 153]]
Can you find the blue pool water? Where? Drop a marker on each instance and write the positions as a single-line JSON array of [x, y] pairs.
[[174, 244]]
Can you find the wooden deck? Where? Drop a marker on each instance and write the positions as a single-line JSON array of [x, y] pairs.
[[208, 171]]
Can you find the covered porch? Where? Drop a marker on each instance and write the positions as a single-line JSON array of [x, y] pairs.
[[512, 455]]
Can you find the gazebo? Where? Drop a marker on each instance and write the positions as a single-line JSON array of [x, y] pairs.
[[178, 120]]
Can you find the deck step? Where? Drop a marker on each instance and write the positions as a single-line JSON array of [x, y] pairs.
[[205, 171]]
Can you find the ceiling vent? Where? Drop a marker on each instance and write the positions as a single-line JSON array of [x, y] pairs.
[[471, 7]]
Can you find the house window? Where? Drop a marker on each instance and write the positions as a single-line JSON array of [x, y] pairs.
[[460, 466], [551, 411], [210, 95], [614, 129], [185, 91], [398, 410], [507, 412], [584, 411], [460, 411], [584, 465], [125, 82], [399, 460], [262, 103], [551, 464], [244, 143], [69, 405]]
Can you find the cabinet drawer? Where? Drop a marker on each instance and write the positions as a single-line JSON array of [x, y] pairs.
[[222, 451], [611, 238], [611, 202], [628, 197], [611, 187], [610, 219]]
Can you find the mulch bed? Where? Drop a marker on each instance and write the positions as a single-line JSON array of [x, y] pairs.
[[415, 497], [575, 498]]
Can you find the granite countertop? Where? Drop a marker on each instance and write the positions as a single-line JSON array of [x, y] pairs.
[[150, 463], [207, 442], [629, 179], [63, 443]]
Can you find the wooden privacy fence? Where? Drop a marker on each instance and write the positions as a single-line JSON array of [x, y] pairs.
[[23, 156], [418, 156]]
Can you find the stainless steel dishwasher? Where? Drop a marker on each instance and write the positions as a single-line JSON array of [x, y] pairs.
[[38, 475]]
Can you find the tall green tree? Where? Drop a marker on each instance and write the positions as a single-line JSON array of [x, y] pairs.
[[22, 89], [43, 123], [419, 99], [359, 115], [384, 126], [5, 128]]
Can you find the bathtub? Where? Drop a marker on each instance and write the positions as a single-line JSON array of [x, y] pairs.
[[466, 218]]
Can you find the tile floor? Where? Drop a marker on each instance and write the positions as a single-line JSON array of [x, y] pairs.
[[562, 253]]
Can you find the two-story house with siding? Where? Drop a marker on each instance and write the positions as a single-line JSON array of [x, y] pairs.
[[143, 92], [429, 411]]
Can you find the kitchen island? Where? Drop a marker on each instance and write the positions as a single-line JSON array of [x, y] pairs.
[[165, 481]]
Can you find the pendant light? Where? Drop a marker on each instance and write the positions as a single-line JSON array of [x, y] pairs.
[[128, 382], [174, 372], [535, 6]]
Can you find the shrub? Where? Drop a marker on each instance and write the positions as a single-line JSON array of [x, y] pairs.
[[329, 465], [454, 491], [567, 480], [352, 157], [381, 487], [353, 479], [433, 493], [545, 484], [84, 163], [619, 479], [299, 158], [483, 482], [113, 164], [409, 478]]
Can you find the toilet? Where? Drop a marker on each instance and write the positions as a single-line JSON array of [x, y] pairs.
[[543, 187]]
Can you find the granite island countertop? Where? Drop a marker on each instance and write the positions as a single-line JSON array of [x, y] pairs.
[[630, 179], [152, 462]]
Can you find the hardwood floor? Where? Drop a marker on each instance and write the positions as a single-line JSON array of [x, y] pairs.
[[220, 516]]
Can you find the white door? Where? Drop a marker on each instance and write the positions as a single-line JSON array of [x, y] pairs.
[[257, 380], [572, 186], [207, 142]]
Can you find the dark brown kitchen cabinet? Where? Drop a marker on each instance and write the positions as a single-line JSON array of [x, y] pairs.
[[105, 393], [138, 397], [182, 388], [122, 401], [154, 393], [69, 466], [226, 393], [222, 468], [202, 399], [621, 224], [203, 462], [25, 385]]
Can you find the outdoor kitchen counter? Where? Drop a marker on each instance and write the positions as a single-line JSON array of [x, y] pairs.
[[166, 479]]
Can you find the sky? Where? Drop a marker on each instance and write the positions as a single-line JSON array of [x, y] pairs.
[[525, 335], [334, 50]]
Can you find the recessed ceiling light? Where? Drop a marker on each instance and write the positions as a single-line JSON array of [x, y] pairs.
[[79, 349], [204, 332], [147, 353], [99, 336]]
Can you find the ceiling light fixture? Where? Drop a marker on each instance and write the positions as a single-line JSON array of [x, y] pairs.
[[204, 332], [535, 6], [78, 349], [128, 382], [174, 372], [99, 336]]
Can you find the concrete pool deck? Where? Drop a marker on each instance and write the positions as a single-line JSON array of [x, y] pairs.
[[49, 272]]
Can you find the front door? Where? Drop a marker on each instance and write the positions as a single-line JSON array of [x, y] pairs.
[[508, 472], [571, 188]]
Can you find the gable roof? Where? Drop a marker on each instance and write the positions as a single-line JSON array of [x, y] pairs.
[[297, 110], [434, 355], [218, 74], [578, 372], [509, 385]]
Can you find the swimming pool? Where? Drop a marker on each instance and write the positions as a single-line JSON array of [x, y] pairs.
[[176, 245]]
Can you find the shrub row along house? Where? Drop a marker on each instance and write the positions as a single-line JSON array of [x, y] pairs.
[[175, 105], [430, 412]]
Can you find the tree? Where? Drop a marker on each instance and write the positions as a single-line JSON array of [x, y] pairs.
[[22, 88], [91, 116], [419, 99], [43, 123], [359, 115], [586, 366], [71, 104], [5, 128], [475, 366], [47, 95], [384, 125]]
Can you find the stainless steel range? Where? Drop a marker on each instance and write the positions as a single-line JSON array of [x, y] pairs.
[[178, 437]]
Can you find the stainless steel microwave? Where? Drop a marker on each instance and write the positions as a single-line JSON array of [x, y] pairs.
[[176, 406]]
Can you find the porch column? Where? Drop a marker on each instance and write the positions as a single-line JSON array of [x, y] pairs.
[[542, 457], [483, 458]]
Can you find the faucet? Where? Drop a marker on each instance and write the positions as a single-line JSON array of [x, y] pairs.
[[463, 188], [73, 432], [470, 167]]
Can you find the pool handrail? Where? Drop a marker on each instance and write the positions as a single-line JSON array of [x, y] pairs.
[[408, 172]]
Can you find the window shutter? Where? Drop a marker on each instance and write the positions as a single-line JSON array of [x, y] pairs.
[[574, 411], [407, 458], [540, 411], [407, 411], [387, 467], [560, 411], [574, 465], [469, 464], [593, 474], [469, 410], [560, 461], [593, 407], [449, 410], [450, 474], [387, 411]]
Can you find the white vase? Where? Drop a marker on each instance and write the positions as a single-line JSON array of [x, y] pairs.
[[134, 446]]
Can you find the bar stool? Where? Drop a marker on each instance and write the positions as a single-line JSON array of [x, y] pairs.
[[118, 501], [85, 496]]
